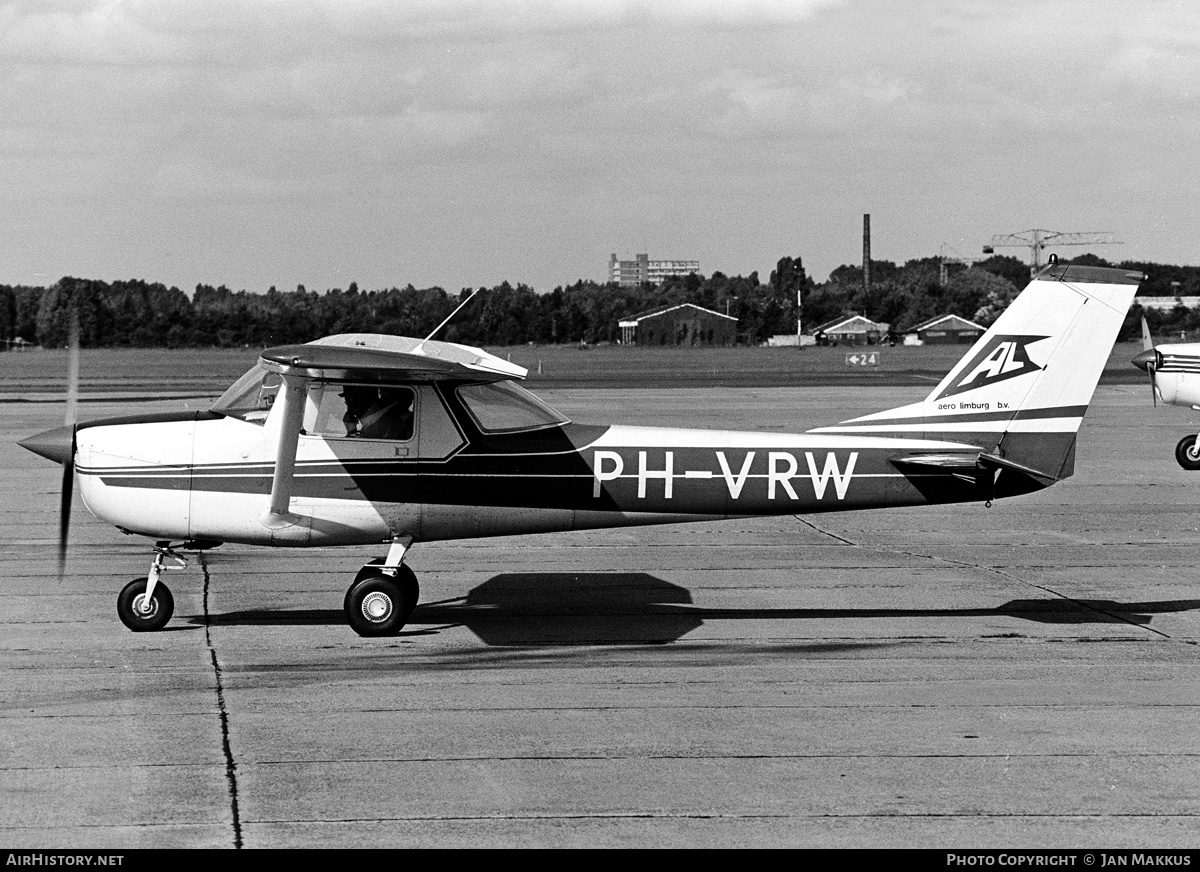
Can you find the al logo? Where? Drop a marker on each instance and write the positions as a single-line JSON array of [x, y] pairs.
[[1004, 357]]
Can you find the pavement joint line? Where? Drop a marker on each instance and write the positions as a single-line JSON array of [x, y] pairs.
[[700, 815], [226, 747], [981, 567], [584, 758]]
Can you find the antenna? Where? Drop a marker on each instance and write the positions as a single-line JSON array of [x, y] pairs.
[[421, 344]]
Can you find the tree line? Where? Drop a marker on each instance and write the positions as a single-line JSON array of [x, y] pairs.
[[136, 313]]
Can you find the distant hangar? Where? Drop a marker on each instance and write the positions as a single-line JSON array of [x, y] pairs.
[[944, 330], [679, 324]]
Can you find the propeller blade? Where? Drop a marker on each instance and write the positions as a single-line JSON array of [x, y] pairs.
[[1147, 342], [64, 506], [1149, 360], [68, 470]]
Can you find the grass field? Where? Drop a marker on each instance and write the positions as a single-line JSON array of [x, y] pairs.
[[206, 372]]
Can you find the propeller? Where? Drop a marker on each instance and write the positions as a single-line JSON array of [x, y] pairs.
[[68, 467], [1149, 360]]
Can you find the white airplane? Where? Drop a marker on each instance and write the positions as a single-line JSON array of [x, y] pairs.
[[444, 444], [1174, 371]]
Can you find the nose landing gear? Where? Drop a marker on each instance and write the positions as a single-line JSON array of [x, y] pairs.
[[146, 604], [1186, 453]]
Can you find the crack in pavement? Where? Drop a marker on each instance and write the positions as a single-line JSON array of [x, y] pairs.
[[226, 748]]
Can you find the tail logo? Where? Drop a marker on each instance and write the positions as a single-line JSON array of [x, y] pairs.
[[1004, 357]]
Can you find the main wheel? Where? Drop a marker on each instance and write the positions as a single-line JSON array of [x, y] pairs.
[[378, 604], [131, 604], [1186, 454], [404, 577]]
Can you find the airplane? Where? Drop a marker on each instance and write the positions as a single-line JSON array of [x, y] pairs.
[[284, 458], [1174, 371]]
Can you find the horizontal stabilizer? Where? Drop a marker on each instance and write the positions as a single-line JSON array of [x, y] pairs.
[[950, 462], [996, 462]]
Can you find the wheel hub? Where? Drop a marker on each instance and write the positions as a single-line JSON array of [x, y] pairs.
[[376, 607], [146, 608]]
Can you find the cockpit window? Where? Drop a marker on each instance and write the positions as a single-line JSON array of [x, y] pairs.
[[250, 397], [363, 411], [503, 407]]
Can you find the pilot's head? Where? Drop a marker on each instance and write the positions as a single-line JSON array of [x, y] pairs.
[[358, 397]]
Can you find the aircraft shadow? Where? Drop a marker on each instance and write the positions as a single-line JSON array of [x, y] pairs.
[[552, 608]]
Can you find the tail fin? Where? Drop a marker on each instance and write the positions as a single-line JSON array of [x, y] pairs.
[[1020, 393]]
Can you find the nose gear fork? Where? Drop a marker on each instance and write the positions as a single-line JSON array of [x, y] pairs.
[[163, 552]]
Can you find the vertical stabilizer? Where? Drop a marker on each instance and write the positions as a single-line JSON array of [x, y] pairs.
[[1020, 393]]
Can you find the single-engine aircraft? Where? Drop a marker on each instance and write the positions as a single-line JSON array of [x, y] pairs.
[[363, 440], [1174, 371]]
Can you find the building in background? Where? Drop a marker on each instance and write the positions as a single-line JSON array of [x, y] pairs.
[[1166, 304], [943, 330], [851, 330], [679, 324], [643, 269]]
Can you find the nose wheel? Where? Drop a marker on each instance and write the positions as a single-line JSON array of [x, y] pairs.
[[1187, 454], [142, 613], [146, 604]]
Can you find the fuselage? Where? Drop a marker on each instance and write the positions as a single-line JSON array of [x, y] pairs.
[[208, 476], [1176, 376]]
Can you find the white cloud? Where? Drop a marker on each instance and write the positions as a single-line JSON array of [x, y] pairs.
[[681, 115]]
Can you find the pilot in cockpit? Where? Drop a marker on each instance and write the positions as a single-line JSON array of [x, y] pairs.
[[377, 413]]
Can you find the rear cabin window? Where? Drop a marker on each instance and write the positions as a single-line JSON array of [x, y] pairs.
[[503, 407], [250, 397]]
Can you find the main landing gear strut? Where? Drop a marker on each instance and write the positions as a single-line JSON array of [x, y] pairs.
[[383, 594]]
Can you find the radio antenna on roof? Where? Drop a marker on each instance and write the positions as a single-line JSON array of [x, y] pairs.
[[421, 344]]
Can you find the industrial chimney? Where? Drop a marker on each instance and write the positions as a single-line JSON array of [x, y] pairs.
[[866, 252]]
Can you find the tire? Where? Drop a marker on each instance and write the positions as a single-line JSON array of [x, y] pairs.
[[1185, 453], [378, 605], [404, 577], [162, 606]]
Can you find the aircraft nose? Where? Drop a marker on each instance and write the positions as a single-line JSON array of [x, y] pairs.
[[1144, 360], [52, 444]]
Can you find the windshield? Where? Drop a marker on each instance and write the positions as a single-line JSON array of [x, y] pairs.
[[250, 397], [503, 407]]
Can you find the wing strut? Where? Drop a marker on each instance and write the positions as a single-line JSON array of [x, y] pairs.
[[292, 396]]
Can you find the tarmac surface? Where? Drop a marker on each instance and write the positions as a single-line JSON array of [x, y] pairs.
[[1025, 675]]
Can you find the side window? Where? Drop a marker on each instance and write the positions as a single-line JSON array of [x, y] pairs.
[[364, 412]]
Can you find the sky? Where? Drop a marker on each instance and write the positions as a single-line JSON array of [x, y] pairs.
[[462, 143]]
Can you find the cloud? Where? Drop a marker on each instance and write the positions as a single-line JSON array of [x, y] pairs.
[[487, 116]]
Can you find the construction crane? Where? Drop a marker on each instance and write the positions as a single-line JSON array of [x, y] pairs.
[[947, 255], [1037, 240]]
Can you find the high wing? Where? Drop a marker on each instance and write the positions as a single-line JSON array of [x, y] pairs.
[[432, 358]]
